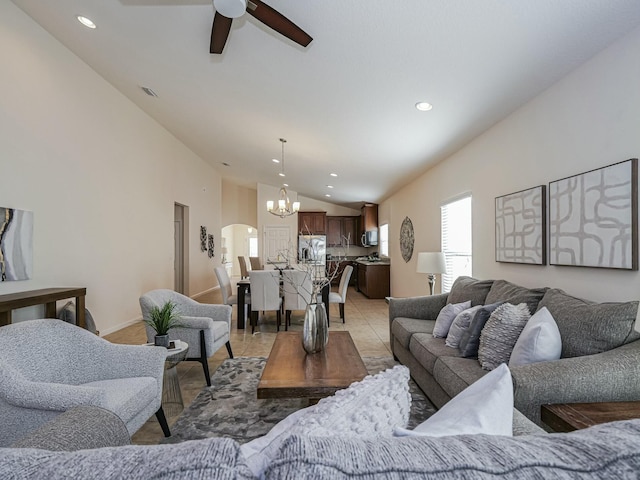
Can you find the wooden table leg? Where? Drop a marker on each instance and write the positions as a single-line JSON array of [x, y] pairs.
[[325, 299], [5, 318], [80, 313], [241, 306], [50, 310]]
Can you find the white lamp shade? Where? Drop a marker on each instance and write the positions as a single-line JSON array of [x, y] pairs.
[[431, 262]]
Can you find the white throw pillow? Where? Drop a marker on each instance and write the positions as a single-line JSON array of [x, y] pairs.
[[460, 325], [446, 317], [371, 408], [539, 341], [485, 406]]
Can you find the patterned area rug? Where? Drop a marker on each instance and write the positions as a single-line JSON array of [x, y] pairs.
[[229, 408]]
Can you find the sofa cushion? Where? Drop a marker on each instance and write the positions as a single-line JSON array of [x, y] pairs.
[[403, 328], [446, 317], [460, 325], [609, 451], [501, 333], [454, 374], [503, 291], [127, 396], [215, 458], [485, 406], [467, 288], [539, 341], [587, 327], [470, 340], [427, 349]]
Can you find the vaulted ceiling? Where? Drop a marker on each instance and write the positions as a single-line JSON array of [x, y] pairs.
[[346, 103]]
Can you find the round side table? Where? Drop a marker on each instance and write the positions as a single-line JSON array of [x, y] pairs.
[[172, 403]]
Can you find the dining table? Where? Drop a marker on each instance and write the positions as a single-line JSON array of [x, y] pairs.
[[244, 287]]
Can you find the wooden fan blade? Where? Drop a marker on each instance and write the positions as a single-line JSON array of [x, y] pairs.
[[275, 20], [219, 33]]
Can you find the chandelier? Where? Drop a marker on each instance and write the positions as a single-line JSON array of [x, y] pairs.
[[285, 207]]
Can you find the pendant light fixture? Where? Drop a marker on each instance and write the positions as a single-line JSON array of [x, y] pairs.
[[284, 208]]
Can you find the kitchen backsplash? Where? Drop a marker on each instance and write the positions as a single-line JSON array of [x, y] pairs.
[[352, 251]]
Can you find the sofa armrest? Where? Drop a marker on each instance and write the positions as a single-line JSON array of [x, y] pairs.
[[77, 429], [606, 376], [425, 308]]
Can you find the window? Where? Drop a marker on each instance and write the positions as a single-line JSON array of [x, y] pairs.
[[253, 246], [384, 240], [456, 239]]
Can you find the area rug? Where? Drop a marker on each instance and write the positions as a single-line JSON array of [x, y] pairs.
[[229, 408]]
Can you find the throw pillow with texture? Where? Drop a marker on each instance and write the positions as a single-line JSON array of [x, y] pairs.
[[446, 317], [371, 408], [459, 325], [500, 334], [539, 341], [485, 406], [470, 341]]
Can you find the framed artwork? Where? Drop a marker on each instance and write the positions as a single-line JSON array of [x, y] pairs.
[[16, 244], [406, 239], [593, 218], [521, 227]]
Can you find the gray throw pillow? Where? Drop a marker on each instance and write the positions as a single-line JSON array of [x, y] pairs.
[[501, 333], [470, 341], [587, 327], [507, 292], [459, 325], [467, 288], [68, 314], [446, 317]]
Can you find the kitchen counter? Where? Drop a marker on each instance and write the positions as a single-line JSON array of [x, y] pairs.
[[369, 262]]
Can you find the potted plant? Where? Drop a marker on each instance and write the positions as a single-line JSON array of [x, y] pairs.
[[162, 319]]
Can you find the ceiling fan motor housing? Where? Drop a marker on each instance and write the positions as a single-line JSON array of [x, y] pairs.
[[230, 8]]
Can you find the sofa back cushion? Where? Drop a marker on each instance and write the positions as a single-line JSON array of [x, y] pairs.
[[467, 288], [587, 327], [503, 291], [608, 451]]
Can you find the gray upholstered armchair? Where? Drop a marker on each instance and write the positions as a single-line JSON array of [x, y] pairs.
[[205, 327], [49, 366]]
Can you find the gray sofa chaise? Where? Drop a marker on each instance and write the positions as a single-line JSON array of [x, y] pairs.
[[600, 358]]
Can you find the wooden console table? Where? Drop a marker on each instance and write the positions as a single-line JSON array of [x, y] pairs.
[[46, 296], [567, 417]]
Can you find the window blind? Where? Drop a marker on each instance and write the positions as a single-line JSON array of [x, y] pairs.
[[456, 239]]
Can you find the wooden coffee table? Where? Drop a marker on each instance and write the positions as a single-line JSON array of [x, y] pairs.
[[292, 373], [567, 417]]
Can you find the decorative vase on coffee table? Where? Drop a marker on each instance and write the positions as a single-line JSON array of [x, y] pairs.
[[315, 332]]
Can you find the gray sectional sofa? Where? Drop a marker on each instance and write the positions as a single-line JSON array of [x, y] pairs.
[[600, 358]]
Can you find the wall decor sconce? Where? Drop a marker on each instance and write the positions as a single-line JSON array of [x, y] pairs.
[[210, 246], [203, 239]]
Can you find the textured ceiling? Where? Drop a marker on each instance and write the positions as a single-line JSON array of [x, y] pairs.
[[346, 102]]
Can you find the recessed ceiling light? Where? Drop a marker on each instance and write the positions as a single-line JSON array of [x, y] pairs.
[[327, 195], [281, 174], [333, 174], [424, 106], [285, 184], [86, 21], [275, 160], [329, 186]]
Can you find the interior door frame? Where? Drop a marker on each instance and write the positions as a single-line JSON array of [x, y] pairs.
[[181, 249]]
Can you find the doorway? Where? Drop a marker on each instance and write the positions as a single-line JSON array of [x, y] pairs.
[[277, 244], [181, 248]]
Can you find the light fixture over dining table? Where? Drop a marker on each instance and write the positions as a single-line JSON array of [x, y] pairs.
[[284, 206]]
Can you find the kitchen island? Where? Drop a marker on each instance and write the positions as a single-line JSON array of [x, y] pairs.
[[373, 278]]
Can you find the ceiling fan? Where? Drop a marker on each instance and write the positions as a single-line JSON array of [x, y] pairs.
[[227, 10]]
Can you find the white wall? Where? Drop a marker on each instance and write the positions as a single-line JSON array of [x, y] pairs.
[[587, 120], [100, 176]]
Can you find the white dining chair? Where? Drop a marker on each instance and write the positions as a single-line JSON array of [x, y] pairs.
[[265, 294], [228, 298], [340, 297], [298, 290]]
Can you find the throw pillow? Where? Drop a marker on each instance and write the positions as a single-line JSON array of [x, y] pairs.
[[370, 408], [485, 406], [500, 334], [470, 340], [446, 316], [539, 341], [68, 314], [459, 325]]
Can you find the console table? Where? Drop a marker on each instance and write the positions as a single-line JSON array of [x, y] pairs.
[[566, 417], [46, 296]]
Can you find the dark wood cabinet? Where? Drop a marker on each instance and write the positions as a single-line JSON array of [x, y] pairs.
[[342, 229], [312, 223], [369, 217], [374, 280]]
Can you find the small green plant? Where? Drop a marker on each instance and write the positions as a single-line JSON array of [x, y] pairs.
[[162, 319]]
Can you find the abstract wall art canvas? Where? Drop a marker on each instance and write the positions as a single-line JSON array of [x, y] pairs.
[[521, 227], [593, 219], [16, 244]]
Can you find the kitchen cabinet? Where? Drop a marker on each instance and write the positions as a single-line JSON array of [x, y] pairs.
[[374, 279], [312, 223], [368, 217], [342, 229]]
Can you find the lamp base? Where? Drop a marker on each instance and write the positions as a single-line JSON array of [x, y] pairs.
[[432, 283]]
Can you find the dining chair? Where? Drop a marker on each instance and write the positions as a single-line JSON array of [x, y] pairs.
[[255, 263], [244, 271], [265, 294], [228, 298], [298, 291], [340, 297]]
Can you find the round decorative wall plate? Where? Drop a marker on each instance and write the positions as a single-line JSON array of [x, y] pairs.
[[406, 239]]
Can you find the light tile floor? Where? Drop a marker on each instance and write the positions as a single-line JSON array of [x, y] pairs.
[[367, 321]]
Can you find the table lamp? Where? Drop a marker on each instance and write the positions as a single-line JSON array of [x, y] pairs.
[[431, 263]]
